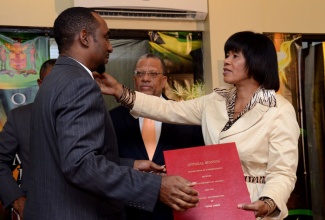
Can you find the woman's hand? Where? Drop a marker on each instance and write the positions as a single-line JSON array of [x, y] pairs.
[[108, 84]]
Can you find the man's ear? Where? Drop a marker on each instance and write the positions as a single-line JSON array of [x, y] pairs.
[[39, 82], [84, 37], [165, 81]]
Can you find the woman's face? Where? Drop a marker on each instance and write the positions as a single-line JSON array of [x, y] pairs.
[[234, 68]]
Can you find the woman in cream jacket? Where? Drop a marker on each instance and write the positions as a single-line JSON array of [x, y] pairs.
[[262, 123]]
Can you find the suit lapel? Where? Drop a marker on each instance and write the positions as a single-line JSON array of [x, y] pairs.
[[64, 60], [138, 137], [246, 121], [221, 116], [162, 140]]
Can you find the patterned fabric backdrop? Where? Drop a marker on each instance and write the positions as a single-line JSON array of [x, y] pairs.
[[20, 61]]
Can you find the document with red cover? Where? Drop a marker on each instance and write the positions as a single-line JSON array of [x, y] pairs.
[[219, 178]]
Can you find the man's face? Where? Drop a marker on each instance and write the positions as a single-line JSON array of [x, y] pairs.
[[149, 84], [101, 46]]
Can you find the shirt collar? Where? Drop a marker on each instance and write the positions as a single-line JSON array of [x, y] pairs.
[[88, 70], [262, 96]]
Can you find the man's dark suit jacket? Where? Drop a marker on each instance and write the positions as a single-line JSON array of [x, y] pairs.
[[74, 164], [14, 138], [131, 145]]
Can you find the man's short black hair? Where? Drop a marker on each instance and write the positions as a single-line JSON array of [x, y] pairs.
[[70, 22]]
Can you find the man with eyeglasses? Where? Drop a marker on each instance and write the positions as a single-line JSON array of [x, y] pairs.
[[149, 78]]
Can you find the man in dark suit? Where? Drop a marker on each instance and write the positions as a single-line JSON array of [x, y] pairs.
[[75, 171], [150, 78], [14, 146]]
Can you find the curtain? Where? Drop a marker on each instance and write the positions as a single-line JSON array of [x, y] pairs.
[[122, 63], [183, 56], [314, 112], [289, 49]]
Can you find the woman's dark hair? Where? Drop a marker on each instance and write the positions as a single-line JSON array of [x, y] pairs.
[[260, 56], [70, 22]]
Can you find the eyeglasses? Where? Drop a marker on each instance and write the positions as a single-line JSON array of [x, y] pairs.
[[141, 74]]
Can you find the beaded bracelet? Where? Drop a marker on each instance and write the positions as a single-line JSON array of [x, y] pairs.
[[127, 98]]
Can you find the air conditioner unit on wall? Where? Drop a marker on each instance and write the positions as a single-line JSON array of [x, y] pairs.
[[149, 9]]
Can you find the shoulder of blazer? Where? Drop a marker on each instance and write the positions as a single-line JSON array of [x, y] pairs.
[[64, 60], [65, 71], [22, 111], [281, 101], [119, 110], [121, 116], [70, 64]]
